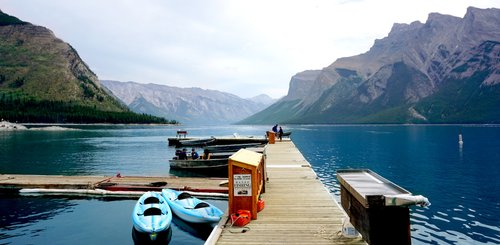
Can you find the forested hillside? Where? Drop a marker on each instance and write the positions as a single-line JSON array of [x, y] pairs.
[[43, 79]]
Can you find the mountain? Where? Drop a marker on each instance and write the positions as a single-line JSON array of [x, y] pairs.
[[263, 99], [187, 105], [43, 79], [446, 70]]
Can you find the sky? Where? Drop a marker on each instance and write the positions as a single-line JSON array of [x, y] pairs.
[[243, 47]]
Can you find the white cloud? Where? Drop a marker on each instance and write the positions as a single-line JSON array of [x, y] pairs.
[[243, 47]]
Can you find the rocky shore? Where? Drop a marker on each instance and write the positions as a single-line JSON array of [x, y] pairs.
[[5, 125]]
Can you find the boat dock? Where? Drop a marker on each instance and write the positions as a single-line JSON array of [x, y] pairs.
[[298, 207], [106, 185]]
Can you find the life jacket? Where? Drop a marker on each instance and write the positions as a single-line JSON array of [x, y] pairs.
[[241, 218]]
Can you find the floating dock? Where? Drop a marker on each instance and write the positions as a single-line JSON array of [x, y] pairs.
[[106, 185], [298, 207]]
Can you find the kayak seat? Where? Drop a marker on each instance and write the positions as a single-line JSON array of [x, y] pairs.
[[152, 211], [201, 205], [151, 200], [183, 195]]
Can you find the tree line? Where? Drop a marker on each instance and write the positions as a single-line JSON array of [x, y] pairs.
[[28, 110]]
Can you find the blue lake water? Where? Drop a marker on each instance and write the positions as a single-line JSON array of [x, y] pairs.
[[460, 181]]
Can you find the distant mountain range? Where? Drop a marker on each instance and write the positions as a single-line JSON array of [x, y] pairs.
[[43, 79], [187, 105], [446, 70]]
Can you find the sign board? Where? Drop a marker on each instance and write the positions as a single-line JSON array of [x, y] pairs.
[[242, 184]]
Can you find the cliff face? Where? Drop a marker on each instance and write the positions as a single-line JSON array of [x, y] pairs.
[[37, 64], [404, 75]]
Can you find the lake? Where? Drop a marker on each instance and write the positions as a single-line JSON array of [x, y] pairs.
[[461, 181]]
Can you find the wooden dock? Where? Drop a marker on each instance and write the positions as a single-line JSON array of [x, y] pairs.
[[298, 207], [110, 184]]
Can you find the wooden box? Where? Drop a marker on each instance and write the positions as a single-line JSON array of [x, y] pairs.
[[246, 181], [362, 197]]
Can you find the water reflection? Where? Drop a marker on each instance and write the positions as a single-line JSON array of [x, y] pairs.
[[200, 231], [62, 220], [17, 214]]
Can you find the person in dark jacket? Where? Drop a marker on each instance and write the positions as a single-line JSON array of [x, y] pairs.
[[275, 129], [183, 154], [280, 134], [194, 154]]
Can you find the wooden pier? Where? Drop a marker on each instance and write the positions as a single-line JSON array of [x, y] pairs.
[[298, 207], [107, 184]]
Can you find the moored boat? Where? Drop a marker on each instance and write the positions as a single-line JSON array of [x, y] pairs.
[[197, 163], [151, 219], [195, 142], [213, 167], [230, 147], [174, 141], [191, 209]]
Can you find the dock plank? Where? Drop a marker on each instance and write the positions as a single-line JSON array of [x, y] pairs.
[[298, 207]]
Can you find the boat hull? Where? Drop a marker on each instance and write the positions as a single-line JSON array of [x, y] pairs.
[[211, 167], [195, 142], [198, 163], [223, 140], [231, 147], [163, 237], [186, 208]]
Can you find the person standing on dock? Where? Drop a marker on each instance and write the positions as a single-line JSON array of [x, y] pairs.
[[280, 134], [275, 129]]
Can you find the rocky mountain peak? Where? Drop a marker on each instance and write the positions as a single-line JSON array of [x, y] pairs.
[[483, 23], [301, 84], [263, 99], [402, 28], [442, 70], [441, 19]]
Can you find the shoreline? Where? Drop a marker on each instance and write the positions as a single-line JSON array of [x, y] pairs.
[[6, 125]]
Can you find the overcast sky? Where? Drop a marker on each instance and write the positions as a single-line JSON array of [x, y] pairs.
[[237, 46]]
